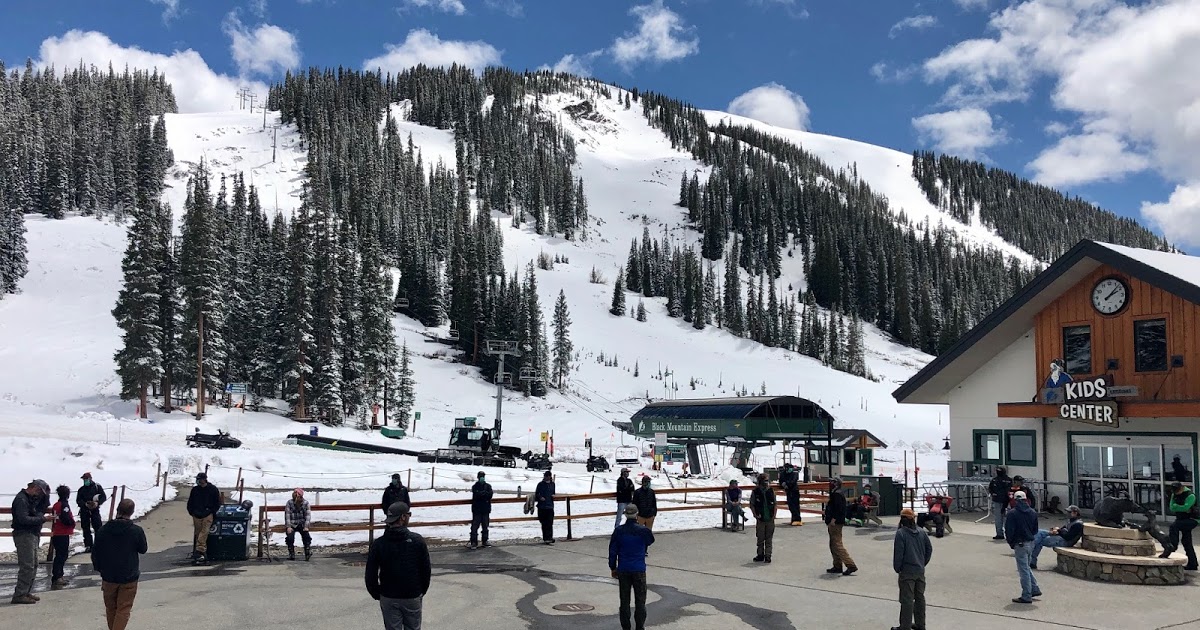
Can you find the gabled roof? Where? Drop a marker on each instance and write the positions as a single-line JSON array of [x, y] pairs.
[[846, 437], [1176, 273], [784, 407]]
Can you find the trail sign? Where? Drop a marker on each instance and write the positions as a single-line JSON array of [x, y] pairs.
[[545, 436], [237, 388]]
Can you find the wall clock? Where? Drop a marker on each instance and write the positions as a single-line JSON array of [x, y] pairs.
[[1110, 296]]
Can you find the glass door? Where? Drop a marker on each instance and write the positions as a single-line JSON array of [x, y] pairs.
[[1147, 476], [1142, 467]]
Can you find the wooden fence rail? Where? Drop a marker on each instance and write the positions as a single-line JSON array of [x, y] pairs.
[[709, 498]]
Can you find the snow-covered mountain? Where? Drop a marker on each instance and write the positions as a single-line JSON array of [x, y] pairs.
[[59, 405]]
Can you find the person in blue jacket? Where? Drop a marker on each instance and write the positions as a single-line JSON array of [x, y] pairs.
[[1020, 531], [627, 551], [544, 500]]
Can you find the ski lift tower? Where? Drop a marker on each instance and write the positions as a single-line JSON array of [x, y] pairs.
[[501, 349]]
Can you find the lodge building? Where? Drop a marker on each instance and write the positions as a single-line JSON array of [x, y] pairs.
[[1087, 380]]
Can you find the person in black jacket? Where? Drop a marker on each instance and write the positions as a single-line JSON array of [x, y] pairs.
[[399, 571], [395, 493], [789, 480], [624, 494], [762, 505], [647, 504], [544, 500], [1018, 485], [203, 503], [115, 557], [1020, 530], [835, 520], [998, 489], [89, 498], [28, 515], [481, 510]]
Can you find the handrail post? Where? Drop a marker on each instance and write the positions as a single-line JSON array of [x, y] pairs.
[[112, 503], [164, 486], [409, 484], [241, 489], [432, 472], [569, 536], [262, 517]]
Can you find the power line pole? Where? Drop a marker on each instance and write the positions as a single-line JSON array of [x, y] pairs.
[[264, 116], [274, 141], [253, 97]]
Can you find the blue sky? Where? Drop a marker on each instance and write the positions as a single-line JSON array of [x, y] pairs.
[[1096, 97]]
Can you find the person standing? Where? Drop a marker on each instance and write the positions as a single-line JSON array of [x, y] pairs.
[[297, 514], [647, 503], [116, 557], [789, 480], [28, 516], [202, 504], [1065, 536], [1018, 485], [1179, 471], [481, 510], [89, 498], [911, 552], [762, 504], [398, 571], [60, 535], [835, 521], [627, 550], [1183, 506], [624, 494], [1020, 529], [998, 488], [395, 492], [544, 501]]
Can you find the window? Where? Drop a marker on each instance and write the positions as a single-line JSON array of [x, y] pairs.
[[815, 456], [987, 447], [1021, 447], [848, 457], [1077, 349], [1150, 345]]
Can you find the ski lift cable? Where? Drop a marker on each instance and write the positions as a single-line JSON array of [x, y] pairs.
[[620, 408]]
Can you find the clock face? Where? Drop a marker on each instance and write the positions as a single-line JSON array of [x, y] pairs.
[[1109, 296]]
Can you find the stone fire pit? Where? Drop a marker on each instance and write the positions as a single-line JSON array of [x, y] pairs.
[[1125, 556]]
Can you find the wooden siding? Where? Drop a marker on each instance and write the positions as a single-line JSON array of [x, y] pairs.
[[1112, 336]]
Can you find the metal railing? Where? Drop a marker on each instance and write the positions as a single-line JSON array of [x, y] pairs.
[[709, 498]]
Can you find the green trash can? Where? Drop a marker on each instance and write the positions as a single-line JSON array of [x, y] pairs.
[[229, 535]]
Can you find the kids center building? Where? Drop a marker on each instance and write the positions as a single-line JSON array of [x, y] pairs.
[[1087, 380]]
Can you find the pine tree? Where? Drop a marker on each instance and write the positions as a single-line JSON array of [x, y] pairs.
[[618, 298], [641, 311], [406, 397], [562, 340], [13, 263], [201, 282], [139, 361], [297, 315]]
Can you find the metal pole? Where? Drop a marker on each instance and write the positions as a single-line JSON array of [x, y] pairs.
[[499, 395]]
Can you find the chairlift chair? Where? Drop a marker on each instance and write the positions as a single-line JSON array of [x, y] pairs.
[[528, 374], [402, 302], [453, 334]]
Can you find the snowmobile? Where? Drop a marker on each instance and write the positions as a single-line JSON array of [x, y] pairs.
[[536, 461], [208, 440], [597, 463]]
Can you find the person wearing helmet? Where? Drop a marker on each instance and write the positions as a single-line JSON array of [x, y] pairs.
[[297, 514], [762, 504], [624, 494], [998, 488], [835, 520]]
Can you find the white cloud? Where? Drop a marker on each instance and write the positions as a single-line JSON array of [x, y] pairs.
[[259, 8], [963, 132], [773, 104], [798, 12], [1179, 216], [170, 9], [446, 6], [915, 22], [972, 5], [662, 35], [1056, 129], [1123, 73], [1083, 158], [511, 7], [884, 73], [265, 50], [421, 46], [580, 65], [197, 87]]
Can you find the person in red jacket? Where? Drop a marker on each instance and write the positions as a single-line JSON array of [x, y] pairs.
[[60, 535]]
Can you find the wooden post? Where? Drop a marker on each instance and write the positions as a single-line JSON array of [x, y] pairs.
[[112, 503], [685, 486], [262, 520], [164, 486], [569, 537], [206, 470], [157, 473], [409, 484], [432, 471], [592, 485], [239, 477], [371, 522]]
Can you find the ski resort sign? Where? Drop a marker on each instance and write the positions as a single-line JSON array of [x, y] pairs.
[[1089, 401], [689, 428]]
